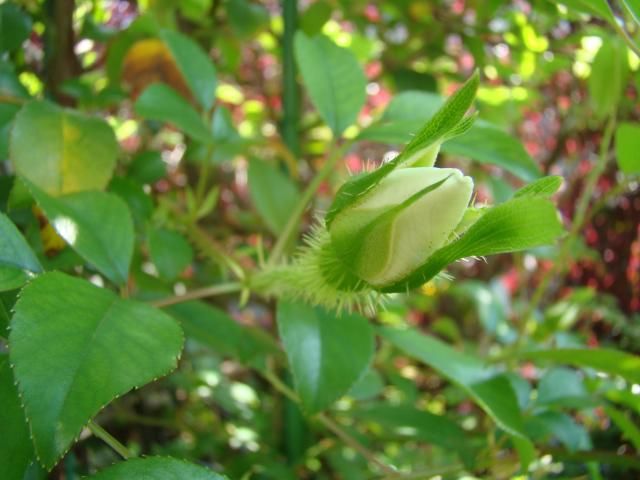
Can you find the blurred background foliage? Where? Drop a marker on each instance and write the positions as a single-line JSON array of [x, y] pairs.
[[559, 95]]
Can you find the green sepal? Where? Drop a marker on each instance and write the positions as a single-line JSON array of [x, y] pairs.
[[543, 187], [521, 223], [448, 122]]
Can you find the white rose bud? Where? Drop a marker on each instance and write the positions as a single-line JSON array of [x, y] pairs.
[[393, 229]]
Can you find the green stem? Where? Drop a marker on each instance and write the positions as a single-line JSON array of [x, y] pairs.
[[291, 228], [211, 291], [290, 93], [107, 438], [576, 226]]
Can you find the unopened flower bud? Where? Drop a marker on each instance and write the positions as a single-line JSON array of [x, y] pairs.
[[395, 227]]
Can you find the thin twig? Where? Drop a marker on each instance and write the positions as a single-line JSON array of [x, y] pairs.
[[576, 226], [107, 438], [293, 223], [205, 292]]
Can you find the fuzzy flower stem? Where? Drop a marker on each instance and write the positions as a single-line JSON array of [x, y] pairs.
[[107, 438], [291, 228]]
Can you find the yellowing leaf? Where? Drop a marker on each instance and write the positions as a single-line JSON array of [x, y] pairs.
[[150, 61]]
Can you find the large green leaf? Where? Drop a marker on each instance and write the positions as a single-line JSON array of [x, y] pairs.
[[17, 260], [491, 391], [15, 26], [16, 450], [327, 352], [628, 146], [334, 80], [273, 194], [524, 222], [75, 347], [195, 65], [73, 152], [605, 360], [97, 225], [156, 468], [162, 103]]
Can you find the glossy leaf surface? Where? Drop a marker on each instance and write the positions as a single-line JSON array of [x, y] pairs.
[[75, 352]]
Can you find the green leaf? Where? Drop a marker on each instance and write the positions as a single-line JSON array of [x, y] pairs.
[[97, 225], [73, 151], [561, 426], [327, 353], [605, 360], [75, 347], [15, 26], [609, 73], [563, 387], [170, 252], [195, 65], [246, 18], [633, 6], [17, 261], [147, 167], [273, 194], [215, 329], [543, 187], [627, 147], [162, 103], [333, 78], [408, 421], [489, 390], [518, 224], [16, 450], [156, 468], [7, 113], [627, 426], [483, 142], [315, 16]]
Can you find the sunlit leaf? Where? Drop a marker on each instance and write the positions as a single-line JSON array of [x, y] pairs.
[[75, 352], [73, 151], [333, 78], [97, 225]]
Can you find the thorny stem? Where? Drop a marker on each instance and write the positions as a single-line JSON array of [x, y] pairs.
[[205, 292], [576, 225], [329, 424], [107, 438], [293, 223]]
